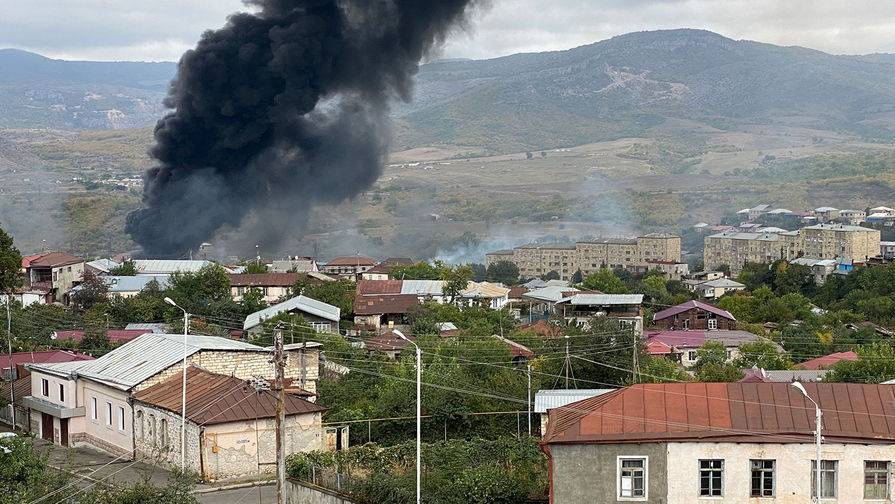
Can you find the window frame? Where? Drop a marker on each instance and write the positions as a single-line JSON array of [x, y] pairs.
[[45, 387], [109, 414], [712, 324], [692, 355], [773, 471], [121, 418], [711, 470], [823, 477], [93, 409], [62, 393], [885, 472], [618, 477]]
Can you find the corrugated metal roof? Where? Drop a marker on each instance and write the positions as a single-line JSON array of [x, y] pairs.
[[351, 261], [484, 290], [168, 266], [386, 303], [840, 227], [103, 265], [557, 398], [697, 338], [300, 303], [54, 260], [216, 399], [724, 282], [422, 287], [690, 305], [827, 361], [142, 358], [585, 299], [728, 412], [158, 328], [552, 293]]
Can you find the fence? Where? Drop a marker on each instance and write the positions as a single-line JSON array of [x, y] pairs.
[[326, 478]]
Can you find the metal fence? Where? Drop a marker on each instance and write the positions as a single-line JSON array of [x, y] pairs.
[[328, 478]]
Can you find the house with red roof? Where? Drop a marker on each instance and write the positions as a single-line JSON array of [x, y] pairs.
[[694, 315], [680, 443], [116, 336], [54, 272], [827, 361], [13, 366], [682, 346]]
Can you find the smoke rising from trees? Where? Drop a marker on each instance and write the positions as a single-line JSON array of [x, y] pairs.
[[280, 110]]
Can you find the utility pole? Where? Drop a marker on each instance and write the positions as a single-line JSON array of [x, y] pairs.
[[529, 399], [568, 363], [635, 350], [12, 375], [279, 360]]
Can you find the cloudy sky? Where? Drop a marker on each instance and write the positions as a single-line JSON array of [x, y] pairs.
[[163, 29]]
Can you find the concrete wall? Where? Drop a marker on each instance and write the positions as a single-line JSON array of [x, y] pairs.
[[98, 432], [65, 277], [587, 473], [793, 470], [242, 450], [70, 396], [299, 492]]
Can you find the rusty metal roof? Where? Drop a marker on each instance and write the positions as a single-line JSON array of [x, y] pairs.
[[382, 304], [716, 412], [215, 399], [54, 260]]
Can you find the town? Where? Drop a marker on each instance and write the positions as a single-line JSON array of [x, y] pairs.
[[607, 350]]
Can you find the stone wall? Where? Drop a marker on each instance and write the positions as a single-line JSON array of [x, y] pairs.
[[150, 444], [300, 492]]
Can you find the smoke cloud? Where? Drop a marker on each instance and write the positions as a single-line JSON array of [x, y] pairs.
[[280, 110]]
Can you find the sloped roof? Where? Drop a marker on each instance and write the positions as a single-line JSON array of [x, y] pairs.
[[423, 287], [375, 287], [695, 339], [128, 283], [300, 303], [556, 398], [725, 283], [691, 305], [114, 335], [552, 293], [132, 363], [216, 399], [827, 361], [54, 260], [351, 261], [516, 349], [103, 265], [387, 342], [168, 266], [386, 303], [727, 412], [590, 299], [265, 279], [485, 290], [45, 356]]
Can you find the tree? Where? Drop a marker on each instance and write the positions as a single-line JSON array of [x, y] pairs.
[[605, 281], [550, 275], [654, 288], [504, 272], [339, 293], [256, 267], [479, 272], [577, 277], [127, 268], [875, 364], [763, 354], [92, 291], [661, 370], [10, 264], [455, 280], [199, 291], [711, 364]]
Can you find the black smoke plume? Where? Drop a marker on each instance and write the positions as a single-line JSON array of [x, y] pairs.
[[280, 110]]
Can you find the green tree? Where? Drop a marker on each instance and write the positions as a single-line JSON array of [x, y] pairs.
[[504, 272], [661, 370], [92, 291], [875, 364], [200, 291], [654, 288], [711, 364], [10, 264], [25, 474], [127, 268], [255, 267], [763, 354], [340, 293], [479, 272], [455, 280], [605, 281]]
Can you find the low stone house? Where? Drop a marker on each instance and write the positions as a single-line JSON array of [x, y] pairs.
[[230, 428], [694, 315]]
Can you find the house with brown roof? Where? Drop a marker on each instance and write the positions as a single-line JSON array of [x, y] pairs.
[[694, 315], [827, 361], [272, 286], [348, 266], [230, 427], [680, 443], [683, 346], [383, 270], [55, 272]]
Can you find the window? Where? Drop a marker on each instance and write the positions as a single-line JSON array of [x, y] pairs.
[[93, 408], [163, 433], [142, 433], [876, 479], [762, 478], [691, 355], [686, 324], [152, 430], [120, 418], [45, 387], [632, 477], [713, 323], [320, 327], [828, 470], [62, 392], [711, 478], [109, 414]]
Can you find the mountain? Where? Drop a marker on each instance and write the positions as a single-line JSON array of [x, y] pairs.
[[39, 92], [628, 85]]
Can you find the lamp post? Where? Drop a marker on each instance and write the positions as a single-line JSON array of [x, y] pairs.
[[817, 437], [186, 327], [419, 367]]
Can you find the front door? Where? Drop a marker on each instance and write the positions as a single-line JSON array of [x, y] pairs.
[[46, 427], [63, 431]]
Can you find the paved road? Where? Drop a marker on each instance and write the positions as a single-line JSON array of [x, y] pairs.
[[268, 495]]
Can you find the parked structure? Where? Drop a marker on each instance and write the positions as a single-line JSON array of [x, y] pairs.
[[682, 346], [694, 315], [678, 443], [230, 427], [652, 251]]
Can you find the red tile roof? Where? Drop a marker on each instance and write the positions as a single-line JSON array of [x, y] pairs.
[[543, 328], [692, 305], [43, 357], [386, 304], [351, 261], [727, 412], [215, 399], [517, 292], [114, 335], [54, 260], [827, 361]]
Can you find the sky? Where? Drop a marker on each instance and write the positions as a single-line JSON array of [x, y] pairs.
[[161, 30]]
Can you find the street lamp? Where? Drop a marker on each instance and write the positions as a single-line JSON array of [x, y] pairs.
[[186, 327], [419, 366], [817, 437]]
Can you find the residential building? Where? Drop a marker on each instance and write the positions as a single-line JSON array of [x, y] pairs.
[[488, 294], [424, 290], [579, 307], [88, 402], [101, 266], [127, 286], [680, 443], [542, 301], [547, 399], [713, 289], [157, 267], [820, 241], [519, 353], [56, 273], [887, 249], [272, 286], [349, 266], [706, 275], [756, 375], [388, 343], [18, 389], [115, 336], [320, 316], [383, 270], [754, 212], [826, 214], [375, 312], [820, 268], [230, 429], [694, 315], [651, 251], [852, 217], [682, 346], [827, 361], [294, 264], [12, 366], [27, 296]]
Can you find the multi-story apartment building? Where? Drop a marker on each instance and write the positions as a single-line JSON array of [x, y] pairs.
[[820, 241], [651, 251]]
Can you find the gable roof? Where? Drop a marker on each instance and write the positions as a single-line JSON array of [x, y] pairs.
[[300, 303], [592, 299], [351, 261], [387, 342], [130, 364], [691, 305], [551, 293], [216, 399], [114, 335], [264, 279], [731, 412], [485, 290], [695, 339], [54, 260], [827, 361], [385, 304], [723, 282], [168, 266], [45, 356]]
